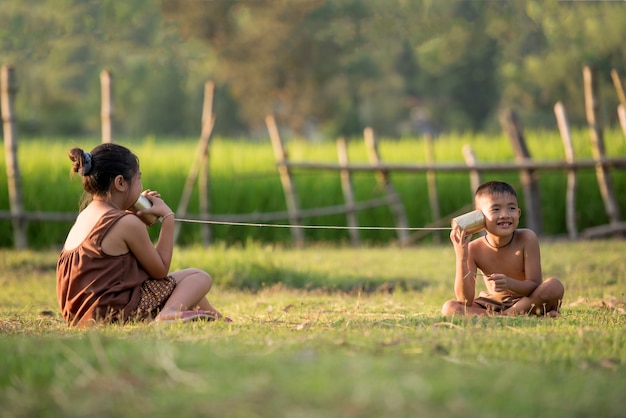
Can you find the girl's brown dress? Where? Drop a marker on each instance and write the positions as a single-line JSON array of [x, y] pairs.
[[95, 287]]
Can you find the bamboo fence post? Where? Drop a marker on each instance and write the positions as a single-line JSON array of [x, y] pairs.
[[617, 83], [592, 110], [202, 152], [395, 203], [470, 160], [570, 195], [203, 180], [621, 113], [106, 88], [348, 192], [431, 180], [8, 91], [512, 127], [621, 108], [289, 187]]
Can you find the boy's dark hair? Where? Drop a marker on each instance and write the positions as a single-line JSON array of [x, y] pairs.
[[99, 167], [493, 188]]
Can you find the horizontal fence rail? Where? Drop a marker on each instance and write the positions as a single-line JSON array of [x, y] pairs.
[[40, 216], [443, 167]]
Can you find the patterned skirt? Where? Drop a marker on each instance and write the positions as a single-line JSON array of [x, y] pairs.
[[154, 294]]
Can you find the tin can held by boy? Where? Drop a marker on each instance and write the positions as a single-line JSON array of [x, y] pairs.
[[472, 222], [141, 204]]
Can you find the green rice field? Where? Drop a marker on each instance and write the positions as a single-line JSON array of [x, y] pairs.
[[243, 179]]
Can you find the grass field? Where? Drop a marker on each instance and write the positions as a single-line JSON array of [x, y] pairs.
[[323, 332]]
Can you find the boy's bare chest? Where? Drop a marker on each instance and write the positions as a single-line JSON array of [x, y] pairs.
[[508, 261]]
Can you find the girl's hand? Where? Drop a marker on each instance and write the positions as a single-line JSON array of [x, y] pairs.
[[153, 193], [159, 207]]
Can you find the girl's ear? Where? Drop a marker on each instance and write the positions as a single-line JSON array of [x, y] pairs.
[[119, 183]]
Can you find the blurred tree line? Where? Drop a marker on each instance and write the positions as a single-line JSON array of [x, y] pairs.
[[325, 68]]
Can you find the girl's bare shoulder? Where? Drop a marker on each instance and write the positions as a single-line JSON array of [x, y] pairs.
[[127, 228], [129, 225]]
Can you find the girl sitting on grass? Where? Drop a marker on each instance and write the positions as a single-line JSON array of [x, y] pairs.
[[109, 270]]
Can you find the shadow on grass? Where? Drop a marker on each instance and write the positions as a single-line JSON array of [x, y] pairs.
[[255, 276]]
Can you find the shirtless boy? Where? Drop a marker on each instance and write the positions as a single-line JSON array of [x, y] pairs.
[[509, 259]]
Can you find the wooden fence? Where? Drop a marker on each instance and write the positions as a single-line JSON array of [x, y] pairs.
[[199, 172]]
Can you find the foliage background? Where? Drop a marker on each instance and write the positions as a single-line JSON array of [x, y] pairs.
[[326, 68]]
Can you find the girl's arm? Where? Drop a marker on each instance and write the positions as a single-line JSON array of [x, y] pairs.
[[155, 260]]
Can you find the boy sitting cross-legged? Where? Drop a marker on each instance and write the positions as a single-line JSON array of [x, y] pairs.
[[509, 259]]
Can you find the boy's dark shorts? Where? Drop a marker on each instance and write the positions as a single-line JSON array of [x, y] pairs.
[[496, 302]]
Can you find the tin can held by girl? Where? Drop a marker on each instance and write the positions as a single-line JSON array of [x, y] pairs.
[[141, 204], [472, 222]]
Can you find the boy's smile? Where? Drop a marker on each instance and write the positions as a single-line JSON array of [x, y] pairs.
[[501, 213]]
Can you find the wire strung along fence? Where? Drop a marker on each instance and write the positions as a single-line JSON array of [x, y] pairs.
[[527, 168]]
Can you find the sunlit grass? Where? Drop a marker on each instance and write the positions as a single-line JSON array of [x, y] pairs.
[[325, 331]]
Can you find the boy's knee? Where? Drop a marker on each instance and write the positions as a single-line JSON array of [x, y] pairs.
[[450, 308], [554, 288]]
